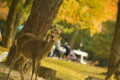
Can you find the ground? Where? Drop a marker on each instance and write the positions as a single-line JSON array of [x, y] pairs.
[[66, 70], [15, 75]]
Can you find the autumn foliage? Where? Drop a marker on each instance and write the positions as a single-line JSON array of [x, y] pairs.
[[3, 10], [88, 13]]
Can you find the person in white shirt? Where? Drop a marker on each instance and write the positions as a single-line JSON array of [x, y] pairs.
[[57, 48]]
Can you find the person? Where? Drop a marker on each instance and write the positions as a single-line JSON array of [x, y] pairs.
[[51, 52], [68, 50], [57, 48], [72, 56]]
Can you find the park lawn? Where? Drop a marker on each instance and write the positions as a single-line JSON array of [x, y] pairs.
[[68, 70]]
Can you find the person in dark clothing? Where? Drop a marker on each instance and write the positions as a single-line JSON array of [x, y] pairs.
[[68, 50], [56, 51]]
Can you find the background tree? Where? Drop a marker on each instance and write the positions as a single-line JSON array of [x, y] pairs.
[[17, 9], [22, 9], [0, 2], [95, 29], [10, 23], [99, 45], [86, 15], [115, 49]]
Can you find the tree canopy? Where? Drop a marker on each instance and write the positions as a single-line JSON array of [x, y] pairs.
[[88, 13]]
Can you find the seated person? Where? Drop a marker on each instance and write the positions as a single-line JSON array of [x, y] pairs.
[[72, 57]]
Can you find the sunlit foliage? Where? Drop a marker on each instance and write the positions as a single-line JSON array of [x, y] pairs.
[[88, 13], [81, 13], [3, 10]]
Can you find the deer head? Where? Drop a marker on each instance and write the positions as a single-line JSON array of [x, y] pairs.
[[55, 33]]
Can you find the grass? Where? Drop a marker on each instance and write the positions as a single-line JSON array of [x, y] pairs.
[[4, 76], [67, 70]]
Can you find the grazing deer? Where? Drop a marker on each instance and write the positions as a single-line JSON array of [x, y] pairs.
[[32, 47]]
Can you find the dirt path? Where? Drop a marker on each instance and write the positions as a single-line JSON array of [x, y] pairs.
[[15, 75]]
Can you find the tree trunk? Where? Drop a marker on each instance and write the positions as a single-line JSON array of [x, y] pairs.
[[47, 73], [40, 20], [10, 24], [74, 38], [112, 71], [0, 2], [115, 49], [16, 24], [92, 78], [41, 17], [10, 54]]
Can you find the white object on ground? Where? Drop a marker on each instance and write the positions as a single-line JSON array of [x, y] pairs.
[[82, 55], [3, 55]]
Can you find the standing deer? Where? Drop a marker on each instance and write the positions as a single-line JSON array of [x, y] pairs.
[[32, 47]]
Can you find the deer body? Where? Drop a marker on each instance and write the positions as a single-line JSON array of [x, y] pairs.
[[36, 48], [32, 47]]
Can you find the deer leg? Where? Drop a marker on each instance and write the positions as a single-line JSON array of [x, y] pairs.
[[37, 68], [16, 57], [117, 75], [33, 67], [21, 66]]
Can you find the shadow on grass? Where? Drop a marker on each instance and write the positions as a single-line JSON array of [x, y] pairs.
[[4, 77]]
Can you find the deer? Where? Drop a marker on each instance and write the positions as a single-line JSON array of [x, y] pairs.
[[35, 48]]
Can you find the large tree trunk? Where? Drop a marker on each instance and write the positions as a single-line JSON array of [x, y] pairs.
[[115, 49], [39, 21], [10, 24], [41, 17], [46, 73]]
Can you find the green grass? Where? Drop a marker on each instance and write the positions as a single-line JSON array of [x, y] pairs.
[[67, 70]]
